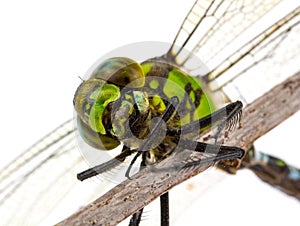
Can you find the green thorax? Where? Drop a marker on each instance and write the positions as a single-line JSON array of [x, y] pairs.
[[165, 81]]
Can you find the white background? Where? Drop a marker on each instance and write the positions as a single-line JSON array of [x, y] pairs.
[[45, 46]]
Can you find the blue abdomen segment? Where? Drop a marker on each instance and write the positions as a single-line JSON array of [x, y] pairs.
[[274, 171]]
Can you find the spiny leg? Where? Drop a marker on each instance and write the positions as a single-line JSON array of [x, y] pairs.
[[131, 164], [231, 117], [217, 153], [136, 217], [226, 116], [106, 166], [220, 153], [210, 148], [164, 209]]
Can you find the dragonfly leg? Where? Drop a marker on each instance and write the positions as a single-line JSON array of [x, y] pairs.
[[231, 117], [227, 116], [136, 218], [164, 209], [220, 152], [105, 166], [164, 206]]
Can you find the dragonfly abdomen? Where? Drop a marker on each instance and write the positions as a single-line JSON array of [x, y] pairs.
[[274, 171]]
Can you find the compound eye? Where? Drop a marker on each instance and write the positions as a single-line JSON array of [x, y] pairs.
[[120, 71], [90, 102], [94, 139]]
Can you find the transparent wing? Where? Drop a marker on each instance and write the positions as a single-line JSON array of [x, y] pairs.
[[240, 39], [271, 56], [211, 25], [41, 179]]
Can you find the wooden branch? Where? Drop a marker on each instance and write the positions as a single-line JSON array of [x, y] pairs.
[[120, 202]]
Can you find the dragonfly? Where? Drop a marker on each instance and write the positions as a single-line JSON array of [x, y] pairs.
[[58, 160]]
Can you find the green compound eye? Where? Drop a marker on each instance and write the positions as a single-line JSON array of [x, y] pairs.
[[91, 99], [102, 97], [94, 139], [120, 71]]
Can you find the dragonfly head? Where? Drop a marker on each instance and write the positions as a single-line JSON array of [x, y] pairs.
[[102, 109]]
